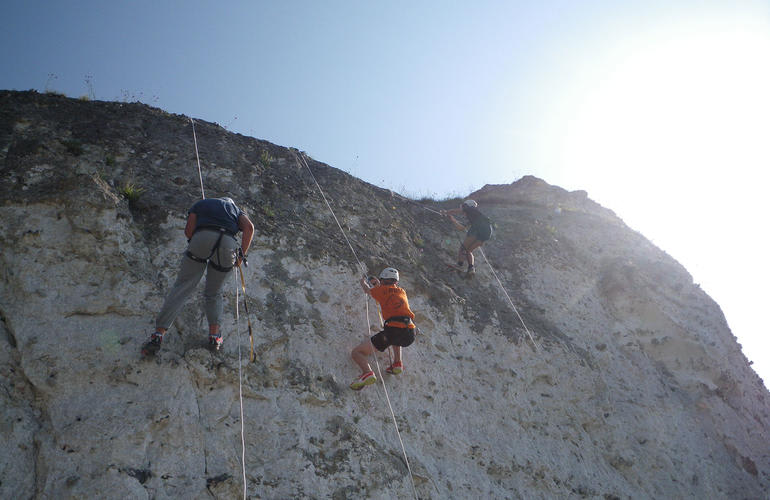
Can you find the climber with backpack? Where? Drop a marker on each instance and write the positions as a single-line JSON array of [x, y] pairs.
[[211, 229], [479, 231], [398, 331]]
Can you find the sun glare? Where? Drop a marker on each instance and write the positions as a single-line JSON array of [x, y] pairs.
[[680, 112], [673, 132]]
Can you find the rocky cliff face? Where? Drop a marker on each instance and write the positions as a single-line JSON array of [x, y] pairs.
[[635, 388]]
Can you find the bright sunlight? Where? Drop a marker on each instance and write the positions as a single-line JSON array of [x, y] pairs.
[[676, 136], [685, 111]]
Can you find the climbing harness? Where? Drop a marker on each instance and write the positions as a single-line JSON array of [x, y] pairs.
[[399, 321], [369, 325], [222, 232]]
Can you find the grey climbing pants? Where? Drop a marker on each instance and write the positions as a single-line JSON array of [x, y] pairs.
[[191, 272]]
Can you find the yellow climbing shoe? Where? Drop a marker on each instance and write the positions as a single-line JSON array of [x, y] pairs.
[[365, 379]]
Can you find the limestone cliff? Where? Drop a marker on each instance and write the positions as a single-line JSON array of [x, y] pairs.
[[636, 389]]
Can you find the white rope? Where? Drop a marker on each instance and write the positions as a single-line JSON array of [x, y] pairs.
[[509, 299], [390, 406], [369, 329], [415, 203], [238, 329], [200, 175], [490, 268], [363, 269], [487, 261], [240, 381]]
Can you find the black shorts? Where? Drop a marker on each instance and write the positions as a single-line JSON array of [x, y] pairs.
[[393, 335]]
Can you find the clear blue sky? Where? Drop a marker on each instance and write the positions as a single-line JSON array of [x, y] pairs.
[[660, 110]]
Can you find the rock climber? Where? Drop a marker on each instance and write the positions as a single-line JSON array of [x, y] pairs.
[[211, 229], [398, 331], [479, 231]]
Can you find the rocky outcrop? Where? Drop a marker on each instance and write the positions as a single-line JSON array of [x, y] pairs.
[[635, 387]]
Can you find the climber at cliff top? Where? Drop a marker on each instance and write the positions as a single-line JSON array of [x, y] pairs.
[[211, 229], [480, 230], [399, 326]]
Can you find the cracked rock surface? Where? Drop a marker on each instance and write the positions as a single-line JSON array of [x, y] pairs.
[[636, 387]]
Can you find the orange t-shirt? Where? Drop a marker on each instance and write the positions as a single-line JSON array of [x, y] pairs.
[[393, 301]]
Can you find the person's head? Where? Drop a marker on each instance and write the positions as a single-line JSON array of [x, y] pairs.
[[469, 204], [389, 276]]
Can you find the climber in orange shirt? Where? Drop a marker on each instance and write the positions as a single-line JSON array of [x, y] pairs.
[[399, 326]]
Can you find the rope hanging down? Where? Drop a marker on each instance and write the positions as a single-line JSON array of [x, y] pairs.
[[392, 413], [237, 327], [415, 203], [252, 356], [363, 269], [529, 333], [369, 327], [509, 299], [240, 379], [200, 175]]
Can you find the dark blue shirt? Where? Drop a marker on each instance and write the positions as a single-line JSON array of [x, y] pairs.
[[217, 212], [475, 216]]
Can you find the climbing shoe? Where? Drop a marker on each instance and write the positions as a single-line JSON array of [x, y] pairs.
[[365, 379], [471, 270], [153, 345], [215, 341], [396, 368]]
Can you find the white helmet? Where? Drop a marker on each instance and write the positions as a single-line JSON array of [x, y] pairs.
[[470, 203], [389, 274]]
